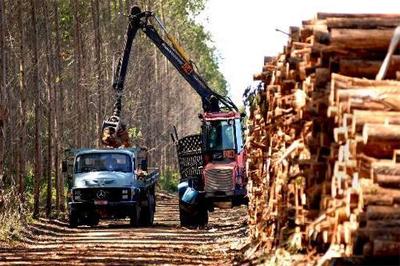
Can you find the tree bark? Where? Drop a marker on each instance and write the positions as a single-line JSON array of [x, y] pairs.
[[362, 22], [22, 103], [325, 15], [361, 117], [368, 68], [381, 140], [60, 200], [50, 116], [383, 212], [38, 110], [78, 132], [98, 69], [3, 81]]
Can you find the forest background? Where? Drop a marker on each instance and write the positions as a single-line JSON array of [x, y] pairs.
[[56, 60]]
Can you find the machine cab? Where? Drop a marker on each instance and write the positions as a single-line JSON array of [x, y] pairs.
[[223, 153], [222, 136]]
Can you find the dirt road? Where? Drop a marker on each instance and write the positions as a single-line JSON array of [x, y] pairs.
[[115, 243]]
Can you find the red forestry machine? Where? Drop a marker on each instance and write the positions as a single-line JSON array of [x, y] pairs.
[[212, 163]]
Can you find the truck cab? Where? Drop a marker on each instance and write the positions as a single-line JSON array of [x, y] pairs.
[[110, 184]]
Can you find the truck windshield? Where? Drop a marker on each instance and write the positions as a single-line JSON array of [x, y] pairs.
[[221, 135], [93, 162]]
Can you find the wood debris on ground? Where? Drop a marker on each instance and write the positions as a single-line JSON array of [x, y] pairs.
[[323, 141]]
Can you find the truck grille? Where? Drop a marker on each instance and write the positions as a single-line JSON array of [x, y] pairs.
[[218, 180], [109, 194]]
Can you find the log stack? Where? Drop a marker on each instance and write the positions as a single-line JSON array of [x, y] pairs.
[[323, 140]]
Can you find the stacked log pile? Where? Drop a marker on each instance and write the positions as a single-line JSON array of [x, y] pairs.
[[323, 140]]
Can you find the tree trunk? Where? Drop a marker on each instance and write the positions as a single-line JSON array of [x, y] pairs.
[[3, 81], [38, 111], [60, 200], [98, 69], [77, 74], [22, 104], [50, 103]]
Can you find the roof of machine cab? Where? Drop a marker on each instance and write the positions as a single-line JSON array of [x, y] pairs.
[[221, 115]]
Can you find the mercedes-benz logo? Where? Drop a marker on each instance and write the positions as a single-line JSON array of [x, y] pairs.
[[101, 194]]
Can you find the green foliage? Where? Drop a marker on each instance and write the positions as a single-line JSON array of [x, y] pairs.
[[13, 216], [169, 180], [66, 19]]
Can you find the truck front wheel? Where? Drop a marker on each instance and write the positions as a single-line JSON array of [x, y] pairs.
[[93, 219], [134, 217], [147, 213], [73, 219]]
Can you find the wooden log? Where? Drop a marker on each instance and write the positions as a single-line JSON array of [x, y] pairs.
[[361, 117], [368, 68], [364, 163], [320, 34], [373, 189], [382, 212], [378, 200], [353, 39], [379, 94], [344, 82], [385, 167], [340, 134], [366, 104], [381, 140], [385, 225], [388, 180], [325, 15], [386, 248], [374, 232], [362, 22], [269, 59], [322, 76], [261, 76]]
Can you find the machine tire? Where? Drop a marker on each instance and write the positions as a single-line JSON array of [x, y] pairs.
[[195, 219], [73, 219], [202, 217], [134, 218], [147, 212]]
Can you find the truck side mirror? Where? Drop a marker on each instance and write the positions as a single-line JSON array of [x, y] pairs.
[[64, 166]]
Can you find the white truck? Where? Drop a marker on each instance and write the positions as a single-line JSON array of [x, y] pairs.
[[110, 184]]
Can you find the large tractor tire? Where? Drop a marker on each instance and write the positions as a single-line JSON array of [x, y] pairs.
[[197, 217]]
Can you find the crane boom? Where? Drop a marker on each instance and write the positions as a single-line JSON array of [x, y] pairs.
[[212, 102]]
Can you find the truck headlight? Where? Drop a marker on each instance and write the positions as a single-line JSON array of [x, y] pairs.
[[124, 191], [124, 197]]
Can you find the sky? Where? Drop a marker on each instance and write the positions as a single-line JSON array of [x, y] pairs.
[[244, 31]]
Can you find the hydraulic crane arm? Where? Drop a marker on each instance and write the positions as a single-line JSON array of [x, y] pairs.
[[211, 101]]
